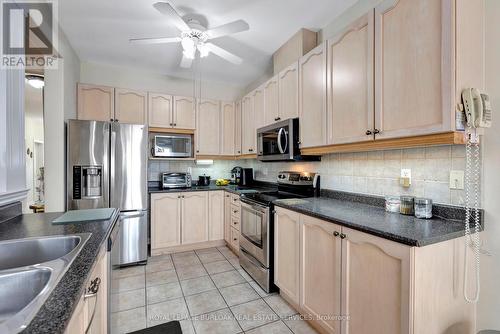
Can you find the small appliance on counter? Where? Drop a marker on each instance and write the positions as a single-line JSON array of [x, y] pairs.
[[175, 180], [242, 176], [203, 180]]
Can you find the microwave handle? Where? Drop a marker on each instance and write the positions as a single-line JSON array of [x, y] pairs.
[[280, 147]]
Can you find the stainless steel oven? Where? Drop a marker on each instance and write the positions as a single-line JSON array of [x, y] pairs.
[[172, 146], [254, 230]]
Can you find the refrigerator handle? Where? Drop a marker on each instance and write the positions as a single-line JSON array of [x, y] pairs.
[[112, 162]]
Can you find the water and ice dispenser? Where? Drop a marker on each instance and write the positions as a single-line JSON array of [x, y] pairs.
[[87, 182]]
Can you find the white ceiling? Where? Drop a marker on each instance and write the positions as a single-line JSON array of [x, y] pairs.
[[99, 31]]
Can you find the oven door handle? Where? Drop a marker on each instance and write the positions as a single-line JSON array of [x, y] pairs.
[[253, 205]]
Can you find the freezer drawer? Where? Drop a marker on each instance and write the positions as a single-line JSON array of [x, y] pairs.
[[133, 237]]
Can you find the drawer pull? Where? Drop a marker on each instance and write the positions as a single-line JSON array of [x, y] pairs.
[[336, 234], [342, 236]]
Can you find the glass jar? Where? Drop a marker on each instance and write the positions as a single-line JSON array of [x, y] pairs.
[[392, 204], [407, 205], [423, 208]]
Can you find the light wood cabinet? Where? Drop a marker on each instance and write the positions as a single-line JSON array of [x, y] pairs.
[[413, 67], [208, 127], [91, 313], [350, 83], [237, 126], [235, 240], [194, 212], [227, 218], [320, 265], [95, 102], [165, 220], [184, 112], [216, 215], [259, 108], [160, 110], [287, 253], [375, 284], [271, 100], [248, 132], [289, 92], [228, 121], [131, 106], [312, 98]]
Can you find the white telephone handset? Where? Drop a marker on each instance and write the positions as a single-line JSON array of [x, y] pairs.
[[477, 110]]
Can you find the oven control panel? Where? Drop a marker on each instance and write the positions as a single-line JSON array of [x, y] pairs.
[[296, 178]]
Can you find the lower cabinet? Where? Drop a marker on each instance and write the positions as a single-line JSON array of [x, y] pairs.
[[91, 312], [232, 208], [184, 218], [350, 282]]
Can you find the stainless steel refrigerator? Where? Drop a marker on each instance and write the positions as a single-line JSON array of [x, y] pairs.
[[107, 168]]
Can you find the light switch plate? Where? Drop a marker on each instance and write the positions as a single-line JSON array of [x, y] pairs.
[[456, 179]]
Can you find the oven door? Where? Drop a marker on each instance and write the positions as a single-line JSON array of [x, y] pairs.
[[254, 230], [173, 146], [277, 142]]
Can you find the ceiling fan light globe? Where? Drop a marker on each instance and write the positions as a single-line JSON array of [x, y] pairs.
[[204, 51], [188, 44], [189, 54]]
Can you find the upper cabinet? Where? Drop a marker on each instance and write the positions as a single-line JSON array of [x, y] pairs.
[[237, 127], [185, 112], [130, 106], [248, 131], [289, 92], [271, 100], [96, 102], [208, 127], [312, 97], [350, 83], [228, 121], [258, 107], [414, 67], [160, 112]]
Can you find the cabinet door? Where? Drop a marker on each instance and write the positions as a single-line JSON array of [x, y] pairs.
[[237, 127], [227, 217], [249, 135], [216, 215], [258, 108], [96, 311], [350, 83], [320, 265], [312, 97], [208, 128], [289, 92], [228, 128], [96, 103], [194, 206], [184, 113], [413, 67], [165, 220], [160, 110], [375, 284], [130, 106], [271, 100], [287, 252]]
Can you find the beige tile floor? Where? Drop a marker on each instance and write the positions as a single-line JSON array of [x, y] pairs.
[[206, 290]]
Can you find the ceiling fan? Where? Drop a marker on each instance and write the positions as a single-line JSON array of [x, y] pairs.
[[194, 37]]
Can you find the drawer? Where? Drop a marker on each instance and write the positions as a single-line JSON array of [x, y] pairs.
[[235, 199], [235, 238], [235, 211], [235, 222]]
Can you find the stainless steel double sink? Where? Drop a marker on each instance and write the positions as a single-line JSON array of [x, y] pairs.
[[29, 270]]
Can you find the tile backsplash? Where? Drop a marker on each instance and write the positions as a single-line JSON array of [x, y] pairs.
[[375, 173]]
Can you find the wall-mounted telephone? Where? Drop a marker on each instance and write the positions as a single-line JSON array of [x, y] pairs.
[[477, 109]]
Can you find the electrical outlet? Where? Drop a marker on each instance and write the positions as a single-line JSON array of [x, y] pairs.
[[405, 179], [457, 179]]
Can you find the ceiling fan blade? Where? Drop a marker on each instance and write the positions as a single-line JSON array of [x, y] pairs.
[[228, 29], [186, 62], [154, 40], [224, 54], [166, 9]]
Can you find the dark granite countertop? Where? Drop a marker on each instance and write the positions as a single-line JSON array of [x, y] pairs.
[[54, 315], [372, 219], [212, 187]]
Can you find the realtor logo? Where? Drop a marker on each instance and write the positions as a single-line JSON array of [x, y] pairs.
[[29, 34]]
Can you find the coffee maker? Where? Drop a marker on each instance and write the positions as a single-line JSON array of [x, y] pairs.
[[242, 176]]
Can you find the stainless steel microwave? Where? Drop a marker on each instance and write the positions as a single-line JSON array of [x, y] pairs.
[[172, 146], [280, 142]]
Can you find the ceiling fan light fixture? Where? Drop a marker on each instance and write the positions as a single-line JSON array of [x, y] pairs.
[[189, 54], [35, 81], [204, 51]]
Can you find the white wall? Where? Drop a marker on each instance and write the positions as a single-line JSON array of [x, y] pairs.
[[489, 302], [59, 105], [99, 74]]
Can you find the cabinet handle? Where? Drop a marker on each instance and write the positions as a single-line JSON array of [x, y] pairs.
[[171, 124], [111, 120], [342, 236], [239, 151], [175, 124], [235, 239], [377, 131], [235, 211], [336, 234], [116, 120], [227, 195], [368, 132], [197, 151], [93, 288]]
